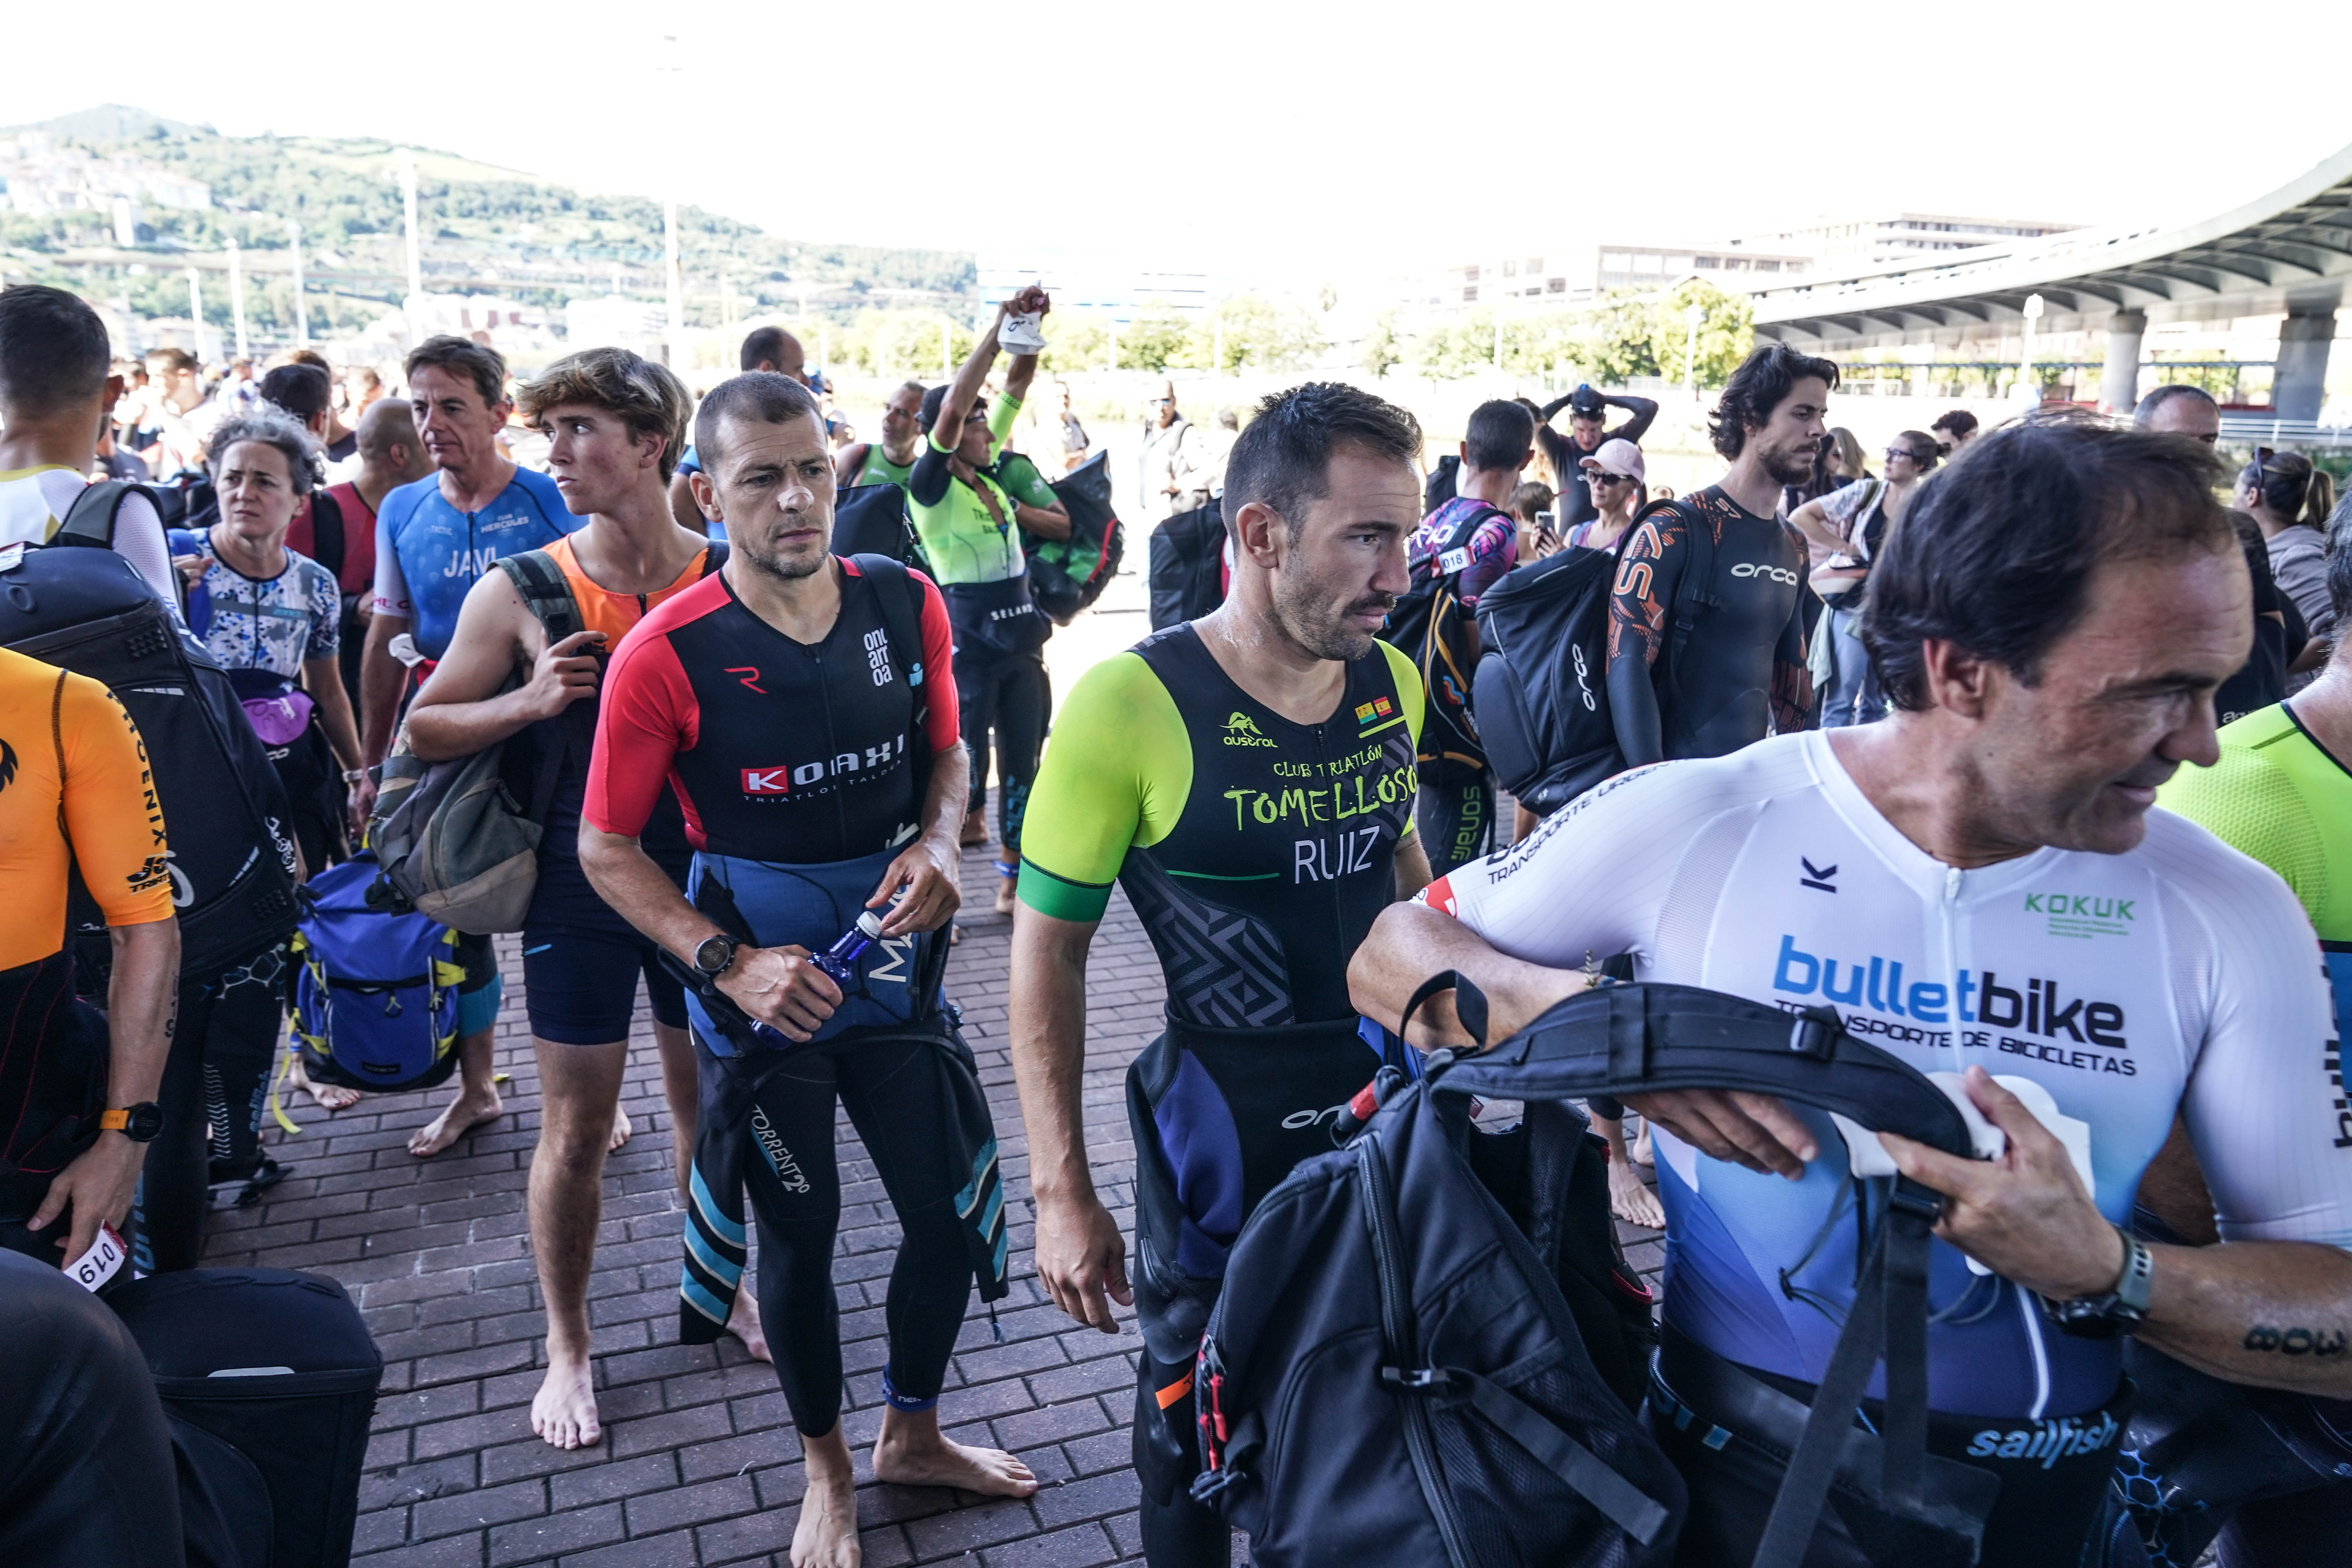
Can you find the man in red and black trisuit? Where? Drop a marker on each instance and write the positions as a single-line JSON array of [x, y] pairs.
[[803, 710]]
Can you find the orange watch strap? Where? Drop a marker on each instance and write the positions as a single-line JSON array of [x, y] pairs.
[[114, 1121]]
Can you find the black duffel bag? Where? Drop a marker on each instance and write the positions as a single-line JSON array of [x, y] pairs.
[[268, 1380]]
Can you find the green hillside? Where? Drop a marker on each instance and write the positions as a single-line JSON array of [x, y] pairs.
[[484, 228]]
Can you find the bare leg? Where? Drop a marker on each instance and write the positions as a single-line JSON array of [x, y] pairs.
[[476, 1103], [1523, 822], [1629, 1198], [913, 1452], [826, 1535], [328, 1096], [579, 1085]]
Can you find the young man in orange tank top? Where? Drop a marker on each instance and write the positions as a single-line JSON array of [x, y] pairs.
[[617, 422]]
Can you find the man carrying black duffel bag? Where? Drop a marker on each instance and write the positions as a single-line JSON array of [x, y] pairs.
[[1977, 882]]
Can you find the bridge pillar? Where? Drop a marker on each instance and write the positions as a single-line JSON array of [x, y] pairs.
[[2119, 381], [2299, 381]]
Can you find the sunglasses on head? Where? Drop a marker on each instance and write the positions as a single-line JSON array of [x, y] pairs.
[[2262, 455]]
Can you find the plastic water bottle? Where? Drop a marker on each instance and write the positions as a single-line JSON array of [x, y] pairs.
[[840, 960]]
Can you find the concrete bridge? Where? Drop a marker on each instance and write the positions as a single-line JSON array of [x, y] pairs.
[[2286, 254]]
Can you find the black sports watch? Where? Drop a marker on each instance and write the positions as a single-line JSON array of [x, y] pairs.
[[139, 1122], [2117, 1310], [714, 953]]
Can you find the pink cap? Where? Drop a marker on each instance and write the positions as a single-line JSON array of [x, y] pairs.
[[1618, 456]]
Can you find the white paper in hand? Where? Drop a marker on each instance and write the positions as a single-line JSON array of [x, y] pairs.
[[1866, 1156]]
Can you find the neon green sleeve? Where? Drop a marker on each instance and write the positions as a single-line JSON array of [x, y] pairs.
[[2254, 807], [1409, 693], [1024, 483], [1000, 416], [1116, 773]]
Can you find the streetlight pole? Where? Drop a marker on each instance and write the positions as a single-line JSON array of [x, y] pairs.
[[196, 310], [2025, 367], [676, 287], [237, 296], [1691, 314], [414, 306], [301, 309]]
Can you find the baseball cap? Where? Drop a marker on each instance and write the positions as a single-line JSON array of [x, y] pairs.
[[1619, 456]]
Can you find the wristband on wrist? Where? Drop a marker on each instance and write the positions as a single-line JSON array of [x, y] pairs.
[[353, 775]]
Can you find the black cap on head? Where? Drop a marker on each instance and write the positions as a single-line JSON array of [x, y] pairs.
[[1586, 404]]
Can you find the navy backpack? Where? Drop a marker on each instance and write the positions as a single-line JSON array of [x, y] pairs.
[[375, 999]]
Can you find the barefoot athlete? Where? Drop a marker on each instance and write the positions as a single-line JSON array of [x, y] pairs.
[[616, 424], [1978, 885], [800, 707], [1248, 778], [433, 540]]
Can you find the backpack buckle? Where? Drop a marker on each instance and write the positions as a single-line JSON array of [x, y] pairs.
[[1813, 1033], [1920, 1203], [1418, 1379]]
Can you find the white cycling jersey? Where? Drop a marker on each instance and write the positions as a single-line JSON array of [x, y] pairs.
[[2180, 975]]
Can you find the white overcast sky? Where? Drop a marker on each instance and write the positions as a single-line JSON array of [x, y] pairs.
[[1290, 140]]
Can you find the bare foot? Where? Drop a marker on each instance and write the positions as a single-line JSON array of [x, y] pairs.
[[744, 1323], [826, 1535], [936, 1460], [1630, 1201], [1005, 890], [955, 934], [1642, 1153], [621, 1129], [465, 1113], [564, 1411], [325, 1096], [975, 830]]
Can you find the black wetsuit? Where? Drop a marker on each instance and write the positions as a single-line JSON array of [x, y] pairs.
[[1733, 668], [1575, 497]]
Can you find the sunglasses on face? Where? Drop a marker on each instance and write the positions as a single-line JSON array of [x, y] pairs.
[[1894, 452], [1599, 477]]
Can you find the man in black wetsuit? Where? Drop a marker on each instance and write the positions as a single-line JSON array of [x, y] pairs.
[[798, 706], [1586, 411], [1248, 778], [1706, 643]]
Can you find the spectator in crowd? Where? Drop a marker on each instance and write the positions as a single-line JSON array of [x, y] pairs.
[[889, 460], [2280, 635], [1846, 529], [1616, 483], [1739, 671], [1588, 412], [2276, 490], [1175, 457], [1847, 463], [763, 349], [336, 439], [433, 540], [1953, 431], [362, 390], [1077, 446], [1220, 448], [54, 390], [1529, 502], [175, 409], [2179, 409]]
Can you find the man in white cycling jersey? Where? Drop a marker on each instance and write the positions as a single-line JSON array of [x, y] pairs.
[[1977, 884]]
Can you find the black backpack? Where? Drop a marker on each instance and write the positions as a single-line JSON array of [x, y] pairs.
[[1429, 625], [871, 519], [225, 812], [1542, 684], [1393, 1374], [1066, 575], [1187, 566]]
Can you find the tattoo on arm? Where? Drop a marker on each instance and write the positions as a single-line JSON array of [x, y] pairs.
[[2318, 1343]]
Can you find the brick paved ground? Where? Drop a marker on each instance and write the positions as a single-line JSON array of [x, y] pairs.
[[698, 1465]]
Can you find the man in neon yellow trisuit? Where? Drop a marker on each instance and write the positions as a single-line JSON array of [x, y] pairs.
[[1248, 779], [2282, 793]]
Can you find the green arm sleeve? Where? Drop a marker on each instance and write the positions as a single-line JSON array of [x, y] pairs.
[[1116, 774], [1001, 414], [2254, 807], [1024, 483]]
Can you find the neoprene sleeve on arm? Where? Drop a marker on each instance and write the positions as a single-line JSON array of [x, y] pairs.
[[1639, 606], [1643, 411], [927, 485]]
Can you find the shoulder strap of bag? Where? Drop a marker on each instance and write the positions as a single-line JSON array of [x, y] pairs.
[[545, 592], [714, 556], [327, 532], [92, 518]]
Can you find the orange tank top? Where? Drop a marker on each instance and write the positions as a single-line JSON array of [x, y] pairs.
[[601, 609]]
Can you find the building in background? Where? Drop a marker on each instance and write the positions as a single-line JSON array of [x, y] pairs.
[[1837, 244], [1118, 287], [1581, 273]]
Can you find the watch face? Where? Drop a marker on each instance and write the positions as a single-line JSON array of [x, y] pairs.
[[712, 955], [144, 1122]]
